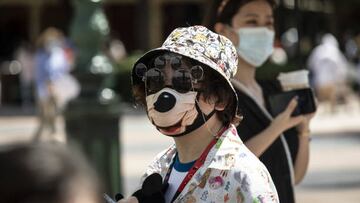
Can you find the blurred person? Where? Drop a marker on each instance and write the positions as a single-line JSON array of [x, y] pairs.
[[46, 173], [281, 142], [116, 50], [329, 69], [25, 56], [186, 90], [54, 84]]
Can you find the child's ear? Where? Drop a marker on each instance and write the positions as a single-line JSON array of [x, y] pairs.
[[220, 106]]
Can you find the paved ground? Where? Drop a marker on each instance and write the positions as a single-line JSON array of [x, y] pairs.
[[334, 171]]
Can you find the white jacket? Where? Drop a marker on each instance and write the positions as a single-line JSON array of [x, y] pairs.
[[231, 173]]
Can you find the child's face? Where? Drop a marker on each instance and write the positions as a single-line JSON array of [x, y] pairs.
[[173, 88]]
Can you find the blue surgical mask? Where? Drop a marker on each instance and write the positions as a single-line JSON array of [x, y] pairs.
[[255, 44]]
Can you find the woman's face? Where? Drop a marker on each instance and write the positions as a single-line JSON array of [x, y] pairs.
[[257, 13]]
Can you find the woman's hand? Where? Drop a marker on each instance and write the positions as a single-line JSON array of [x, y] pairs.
[[303, 127], [261, 142], [285, 121], [129, 200]]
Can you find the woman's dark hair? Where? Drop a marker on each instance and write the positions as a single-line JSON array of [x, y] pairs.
[[222, 11], [44, 173], [215, 86]]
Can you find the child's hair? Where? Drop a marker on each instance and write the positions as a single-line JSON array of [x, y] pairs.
[[213, 85], [222, 11]]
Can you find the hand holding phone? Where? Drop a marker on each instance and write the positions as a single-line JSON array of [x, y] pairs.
[[305, 99]]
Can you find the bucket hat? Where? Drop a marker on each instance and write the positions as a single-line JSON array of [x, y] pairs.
[[202, 45]]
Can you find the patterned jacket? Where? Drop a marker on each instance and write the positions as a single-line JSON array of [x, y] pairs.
[[231, 173]]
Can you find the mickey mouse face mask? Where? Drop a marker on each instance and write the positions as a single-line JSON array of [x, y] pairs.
[[175, 114], [171, 99]]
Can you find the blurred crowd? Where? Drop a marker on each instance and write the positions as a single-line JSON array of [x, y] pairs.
[[45, 73], [334, 68], [45, 69]]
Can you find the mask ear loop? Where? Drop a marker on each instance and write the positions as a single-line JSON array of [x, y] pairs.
[[200, 77], [193, 81], [208, 128]]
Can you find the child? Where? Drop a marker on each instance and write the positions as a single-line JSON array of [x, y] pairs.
[[185, 88]]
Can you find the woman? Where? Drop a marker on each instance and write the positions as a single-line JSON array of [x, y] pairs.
[[284, 150], [186, 90]]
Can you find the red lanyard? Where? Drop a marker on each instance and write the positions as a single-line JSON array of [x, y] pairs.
[[199, 162]]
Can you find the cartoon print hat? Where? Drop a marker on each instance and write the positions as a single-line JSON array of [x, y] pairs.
[[201, 44]]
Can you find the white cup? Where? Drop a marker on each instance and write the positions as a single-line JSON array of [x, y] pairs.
[[294, 80]]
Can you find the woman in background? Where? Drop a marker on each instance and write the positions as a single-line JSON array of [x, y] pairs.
[[281, 143]]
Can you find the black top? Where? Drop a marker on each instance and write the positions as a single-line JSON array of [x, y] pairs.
[[274, 158]]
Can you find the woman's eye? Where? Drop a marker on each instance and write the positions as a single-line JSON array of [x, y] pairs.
[[270, 24], [251, 22]]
